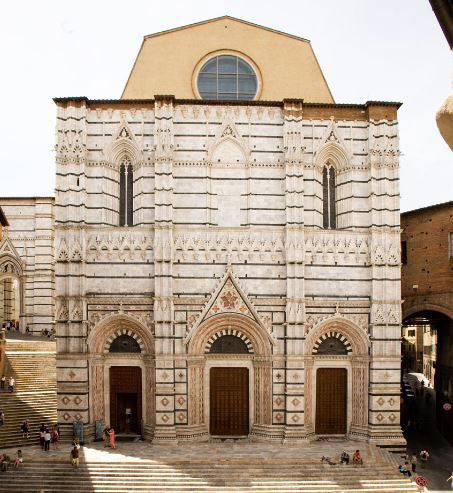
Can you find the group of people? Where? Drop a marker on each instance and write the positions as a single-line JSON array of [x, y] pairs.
[[410, 465], [5, 461], [47, 437], [11, 325], [344, 459], [11, 383]]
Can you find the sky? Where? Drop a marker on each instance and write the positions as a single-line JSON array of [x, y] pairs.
[[391, 50]]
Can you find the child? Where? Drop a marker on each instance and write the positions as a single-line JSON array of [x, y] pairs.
[[19, 459]]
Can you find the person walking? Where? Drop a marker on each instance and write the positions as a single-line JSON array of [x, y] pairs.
[[414, 462], [42, 431], [2, 382], [54, 437], [75, 456], [2, 418], [424, 456], [25, 429], [47, 440], [112, 437], [11, 383]]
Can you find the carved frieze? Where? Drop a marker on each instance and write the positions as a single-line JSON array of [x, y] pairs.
[[119, 246]]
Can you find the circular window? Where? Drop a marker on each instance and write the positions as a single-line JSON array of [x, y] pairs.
[[227, 77]]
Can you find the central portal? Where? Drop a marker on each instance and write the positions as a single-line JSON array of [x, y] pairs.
[[331, 386], [229, 401], [126, 399]]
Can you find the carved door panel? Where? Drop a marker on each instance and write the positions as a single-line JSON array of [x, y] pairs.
[[331, 390], [229, 401]]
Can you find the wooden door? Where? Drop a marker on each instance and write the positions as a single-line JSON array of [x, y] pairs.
[[125, 393], [229, 401], [331, 390], [126, 410]]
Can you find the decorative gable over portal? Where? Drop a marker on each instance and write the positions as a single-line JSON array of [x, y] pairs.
[[7, 248], [229, 297]]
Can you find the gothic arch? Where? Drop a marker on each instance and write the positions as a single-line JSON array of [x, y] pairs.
[[215, 326], [356, 337], [232, 149], [123, 148], [229, 332], [115, 324], [120, 332], [334, 154], [332, 334]]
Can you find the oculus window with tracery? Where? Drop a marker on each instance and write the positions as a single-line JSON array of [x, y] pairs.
[[227, 77]]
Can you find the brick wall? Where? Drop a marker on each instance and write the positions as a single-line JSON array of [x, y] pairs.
[[429, 266]]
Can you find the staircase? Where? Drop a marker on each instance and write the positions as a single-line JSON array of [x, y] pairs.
[[242, 476], [32, 364]]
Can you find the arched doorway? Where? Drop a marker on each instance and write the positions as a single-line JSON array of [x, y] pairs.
[[230, 377], [125, 388], [336, 379], [427, 346], [122, 375], [10, 293]]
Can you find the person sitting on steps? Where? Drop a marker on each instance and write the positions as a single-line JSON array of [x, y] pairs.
[[19, 459], [357, 458], [344, 458]]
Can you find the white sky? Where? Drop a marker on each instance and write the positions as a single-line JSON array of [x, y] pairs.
[[390, 50]]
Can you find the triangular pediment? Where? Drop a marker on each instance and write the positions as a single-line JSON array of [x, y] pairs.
[[7, 248], [123, 144], [228, 297], [331, 135], [123, 131]]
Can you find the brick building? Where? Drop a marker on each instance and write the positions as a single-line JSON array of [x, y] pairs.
[[427, 291]]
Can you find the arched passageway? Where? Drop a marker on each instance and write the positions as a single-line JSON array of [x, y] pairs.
[[427, 348]]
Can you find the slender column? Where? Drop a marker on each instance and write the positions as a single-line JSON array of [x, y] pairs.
[[294, 243], [163, 267]]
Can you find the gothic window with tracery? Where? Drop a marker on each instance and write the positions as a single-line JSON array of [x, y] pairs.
[[329, 213], [126, 193]]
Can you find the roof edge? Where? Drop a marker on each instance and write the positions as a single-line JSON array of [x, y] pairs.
[[440, 205], [200, 23], [224, 102]]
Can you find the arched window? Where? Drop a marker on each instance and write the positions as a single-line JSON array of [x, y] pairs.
[[329, 213], [229, 344], [125, 344], [126, 193]]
